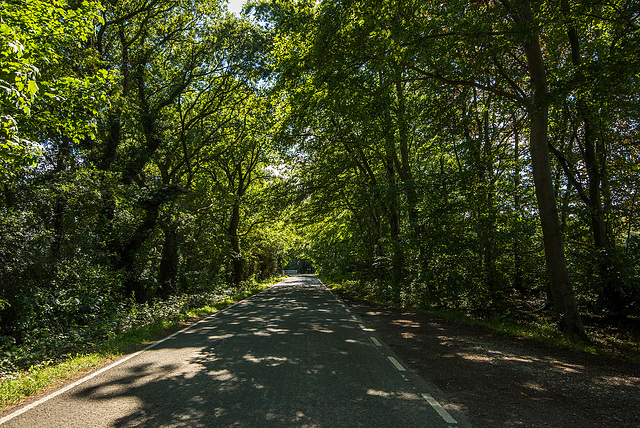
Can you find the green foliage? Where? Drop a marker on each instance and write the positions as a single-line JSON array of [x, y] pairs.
[[35, 37], [154, 150], [72, 321], [408, 127], [151, 126], [139, 325]]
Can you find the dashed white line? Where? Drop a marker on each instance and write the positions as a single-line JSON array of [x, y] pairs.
[[438, 408], [397, 364], [365, 328], [432, 401]]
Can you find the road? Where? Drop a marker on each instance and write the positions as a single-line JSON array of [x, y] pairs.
[[291, 356]]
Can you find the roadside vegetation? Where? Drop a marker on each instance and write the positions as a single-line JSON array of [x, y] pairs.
[[137, 325], [135, 173], [619, 341]]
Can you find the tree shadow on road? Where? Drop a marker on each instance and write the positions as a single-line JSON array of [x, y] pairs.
[[271, 361]]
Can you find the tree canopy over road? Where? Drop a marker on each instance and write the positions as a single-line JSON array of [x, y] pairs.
[[475, 155]]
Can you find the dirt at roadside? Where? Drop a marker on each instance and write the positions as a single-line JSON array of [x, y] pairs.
[[501, 381]]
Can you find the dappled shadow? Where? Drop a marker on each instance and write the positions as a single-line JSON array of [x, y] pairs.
[[502, 381], [291, 356]]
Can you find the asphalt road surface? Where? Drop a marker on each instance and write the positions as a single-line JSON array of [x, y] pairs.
[[291, 356]]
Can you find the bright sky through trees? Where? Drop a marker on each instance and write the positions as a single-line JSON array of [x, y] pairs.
[[235, 6]]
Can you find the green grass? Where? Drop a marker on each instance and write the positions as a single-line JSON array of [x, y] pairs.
[[38, 379], [138, 336], [16, 388]]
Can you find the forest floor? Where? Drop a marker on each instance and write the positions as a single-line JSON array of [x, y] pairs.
[[503, 381]]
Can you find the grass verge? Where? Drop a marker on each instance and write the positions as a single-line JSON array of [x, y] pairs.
[[18, 387]]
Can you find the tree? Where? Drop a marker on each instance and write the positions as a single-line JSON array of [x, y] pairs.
[[176, 60], [135, 102], [35, 36], [501, 49]]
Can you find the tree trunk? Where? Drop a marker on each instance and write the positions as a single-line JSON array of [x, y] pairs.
[[133, 287], [404, 170], [570, 322], [234, 240], [595, 162], [518, 277], [59, 210], [127, 252], [168, 270], [397, 260], [609, 277]]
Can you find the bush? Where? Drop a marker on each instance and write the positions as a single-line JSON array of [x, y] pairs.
[[79, 319]]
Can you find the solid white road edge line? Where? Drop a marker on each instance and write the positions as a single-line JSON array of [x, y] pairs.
[[89, 377], [66, 388], [438, 408]]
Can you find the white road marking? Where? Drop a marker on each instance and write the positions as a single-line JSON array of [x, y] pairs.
[[66, 388], [365, 328], [438, 408], [432, 401], [375, 341], [397, 364]]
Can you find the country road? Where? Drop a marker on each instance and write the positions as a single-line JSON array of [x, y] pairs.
[[291, 356]]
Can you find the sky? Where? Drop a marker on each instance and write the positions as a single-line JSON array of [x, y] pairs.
[[235, 6]]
